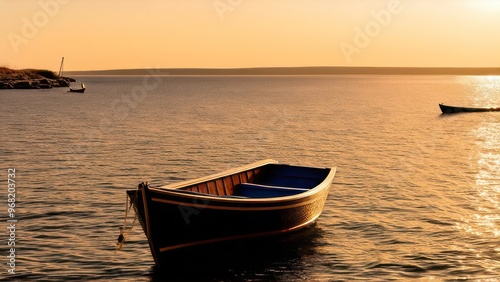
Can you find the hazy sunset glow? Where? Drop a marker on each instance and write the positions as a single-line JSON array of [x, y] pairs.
[[123, 34]]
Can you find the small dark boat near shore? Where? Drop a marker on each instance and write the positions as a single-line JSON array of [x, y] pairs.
[[78, 90], [452, 109], [254, 201], [81, 89]]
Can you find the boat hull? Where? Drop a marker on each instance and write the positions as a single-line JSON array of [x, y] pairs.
[[177, 223], [77, 90], [452, 109]]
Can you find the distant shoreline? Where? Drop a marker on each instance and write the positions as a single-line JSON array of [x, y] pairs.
[[295, 71]]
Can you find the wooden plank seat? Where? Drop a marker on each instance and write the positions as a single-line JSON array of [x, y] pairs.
[[187, 192], [252, 190], [291, 177]]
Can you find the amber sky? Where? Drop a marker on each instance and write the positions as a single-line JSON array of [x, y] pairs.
[[115, 34]]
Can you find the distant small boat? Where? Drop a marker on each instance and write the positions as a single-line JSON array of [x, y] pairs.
[[79, 90], [452, 109], [257, 200]]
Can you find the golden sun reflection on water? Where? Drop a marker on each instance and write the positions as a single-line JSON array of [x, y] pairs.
[[486, 187], [486, 90]]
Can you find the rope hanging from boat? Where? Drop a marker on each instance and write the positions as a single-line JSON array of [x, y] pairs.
[[123, 229]]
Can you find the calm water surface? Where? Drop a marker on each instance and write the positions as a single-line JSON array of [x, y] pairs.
[[416, 195]]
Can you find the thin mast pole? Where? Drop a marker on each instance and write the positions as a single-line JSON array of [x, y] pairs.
[[61, 67]]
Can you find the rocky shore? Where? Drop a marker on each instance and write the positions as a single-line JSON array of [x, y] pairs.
[[31, 79]]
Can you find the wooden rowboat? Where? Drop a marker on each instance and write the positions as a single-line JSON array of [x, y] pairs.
[[257, 200], [452, 109]]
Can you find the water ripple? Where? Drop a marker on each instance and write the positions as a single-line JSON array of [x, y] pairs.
[[416, 195]]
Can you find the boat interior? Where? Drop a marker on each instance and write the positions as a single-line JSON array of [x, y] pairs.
[[271, 180]]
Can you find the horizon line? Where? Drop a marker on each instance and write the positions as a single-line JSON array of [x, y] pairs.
[[293, 67], [304, 70]]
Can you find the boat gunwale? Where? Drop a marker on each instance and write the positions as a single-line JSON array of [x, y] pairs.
[[171, 188]]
